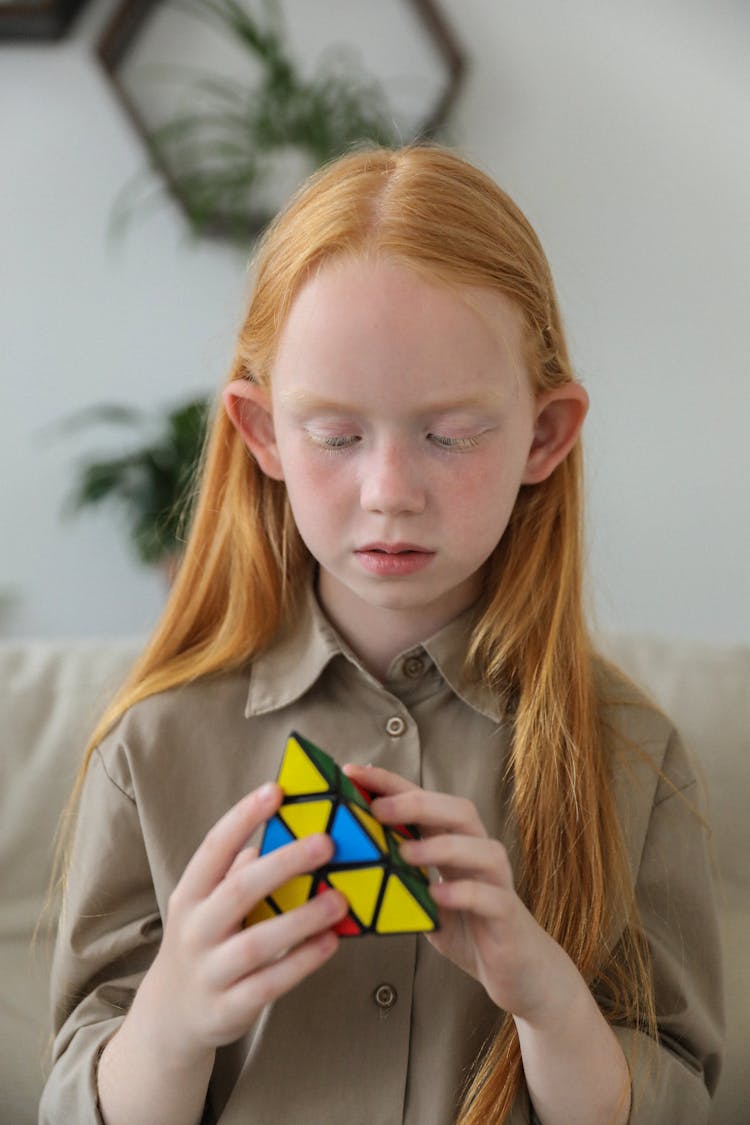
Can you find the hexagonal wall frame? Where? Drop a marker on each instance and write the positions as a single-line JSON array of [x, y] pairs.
[[130, 21]]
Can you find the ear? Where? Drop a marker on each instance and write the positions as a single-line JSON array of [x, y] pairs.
[[249, 408], [559, 416]]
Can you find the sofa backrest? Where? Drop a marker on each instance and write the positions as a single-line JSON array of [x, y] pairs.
[[51, 694]]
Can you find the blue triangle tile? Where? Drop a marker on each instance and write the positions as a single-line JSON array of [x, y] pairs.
[[275, 836], [351, 840]]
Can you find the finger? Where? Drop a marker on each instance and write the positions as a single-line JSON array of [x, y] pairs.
[[253, 992], [262, 944], [247, 855], [481, 858], [377, 780], [430, 810], [481, 899], [219, 848], [228, 905]]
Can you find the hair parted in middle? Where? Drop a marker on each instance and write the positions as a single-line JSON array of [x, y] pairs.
[[245, 566]]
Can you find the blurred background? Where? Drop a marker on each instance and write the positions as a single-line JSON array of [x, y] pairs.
[[620, 129]]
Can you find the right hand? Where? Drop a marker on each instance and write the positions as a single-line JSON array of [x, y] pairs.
[[212, 977]]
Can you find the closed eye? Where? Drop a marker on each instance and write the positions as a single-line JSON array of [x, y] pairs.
[[334, 441], [456, 443]]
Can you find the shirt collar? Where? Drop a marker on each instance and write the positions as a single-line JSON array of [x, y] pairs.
[[447, 648], [282, 674]]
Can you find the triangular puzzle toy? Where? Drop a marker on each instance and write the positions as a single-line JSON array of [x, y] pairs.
[[386, 895]]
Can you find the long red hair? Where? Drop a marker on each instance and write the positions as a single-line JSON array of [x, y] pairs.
[[245, 566]]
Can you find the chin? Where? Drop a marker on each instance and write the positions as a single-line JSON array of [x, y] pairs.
[[397, 598]]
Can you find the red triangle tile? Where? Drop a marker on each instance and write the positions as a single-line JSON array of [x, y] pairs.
[[347, 927]]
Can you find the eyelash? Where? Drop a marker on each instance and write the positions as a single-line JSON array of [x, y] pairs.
[[342, 441], [457, 443]]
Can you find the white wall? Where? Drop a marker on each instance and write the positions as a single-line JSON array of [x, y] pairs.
[[622, 132]]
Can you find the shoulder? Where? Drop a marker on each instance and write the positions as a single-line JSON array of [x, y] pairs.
[[175, 726], [638, 736], [653, 779]]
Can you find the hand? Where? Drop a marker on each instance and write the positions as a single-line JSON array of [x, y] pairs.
[[485, 928], [211, 977]]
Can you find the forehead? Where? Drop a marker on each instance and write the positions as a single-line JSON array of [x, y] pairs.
[[379, 318]]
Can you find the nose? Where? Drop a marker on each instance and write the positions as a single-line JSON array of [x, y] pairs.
[[391, 481]]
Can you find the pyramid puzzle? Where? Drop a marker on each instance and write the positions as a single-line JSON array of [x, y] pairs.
[[386, 895]]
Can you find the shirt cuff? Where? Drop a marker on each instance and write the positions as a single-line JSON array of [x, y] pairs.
[[663, 1087]]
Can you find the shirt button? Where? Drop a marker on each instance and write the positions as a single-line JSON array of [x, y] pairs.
[[385, 996], [413, 667], [395, 726]]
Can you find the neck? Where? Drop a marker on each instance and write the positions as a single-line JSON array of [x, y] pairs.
[[377, 635]]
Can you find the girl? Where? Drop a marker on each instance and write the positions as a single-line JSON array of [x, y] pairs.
[[386, 556]]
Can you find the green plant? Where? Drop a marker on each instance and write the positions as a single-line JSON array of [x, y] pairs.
[[218, 158], [150, 482]]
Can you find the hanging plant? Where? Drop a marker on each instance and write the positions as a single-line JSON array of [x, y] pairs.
[[219, 160]]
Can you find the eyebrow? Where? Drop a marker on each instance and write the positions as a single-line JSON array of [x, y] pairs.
[[298, 399]]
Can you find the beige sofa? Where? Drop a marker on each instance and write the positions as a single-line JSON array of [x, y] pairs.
[[50, 694]]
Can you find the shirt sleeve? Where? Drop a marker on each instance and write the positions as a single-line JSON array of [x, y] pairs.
[[109, 932], [676, 899]]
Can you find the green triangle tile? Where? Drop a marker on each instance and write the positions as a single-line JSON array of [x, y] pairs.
[[351, 793], [394, 842]]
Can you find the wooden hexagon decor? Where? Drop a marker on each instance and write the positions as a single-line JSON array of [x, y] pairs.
[[238, 100]]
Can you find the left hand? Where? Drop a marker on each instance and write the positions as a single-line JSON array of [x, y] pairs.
[[485, 928]]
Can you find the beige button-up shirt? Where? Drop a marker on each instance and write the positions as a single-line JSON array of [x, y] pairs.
[[386, 1032]]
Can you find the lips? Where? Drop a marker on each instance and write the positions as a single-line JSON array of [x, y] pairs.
[[393, 560], [395, 548]]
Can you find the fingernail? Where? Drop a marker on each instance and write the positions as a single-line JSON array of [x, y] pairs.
[[267, 791]]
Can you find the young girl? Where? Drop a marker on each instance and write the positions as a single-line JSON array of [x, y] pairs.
[[386, 557]]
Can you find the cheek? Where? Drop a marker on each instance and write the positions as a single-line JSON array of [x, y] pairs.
[[490, 483], [314, 484], [482, 498]]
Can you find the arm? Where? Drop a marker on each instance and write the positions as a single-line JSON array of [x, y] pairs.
[[206, 984], [575, 1069], [676, 898], [673, 1079], [211, 977], [574, 1066]]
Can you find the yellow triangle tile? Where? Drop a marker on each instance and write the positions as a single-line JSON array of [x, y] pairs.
[[372, 826], [305, 817], [260, 912], [294, 892], [360, 888], [298, 774], [400, 912]]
